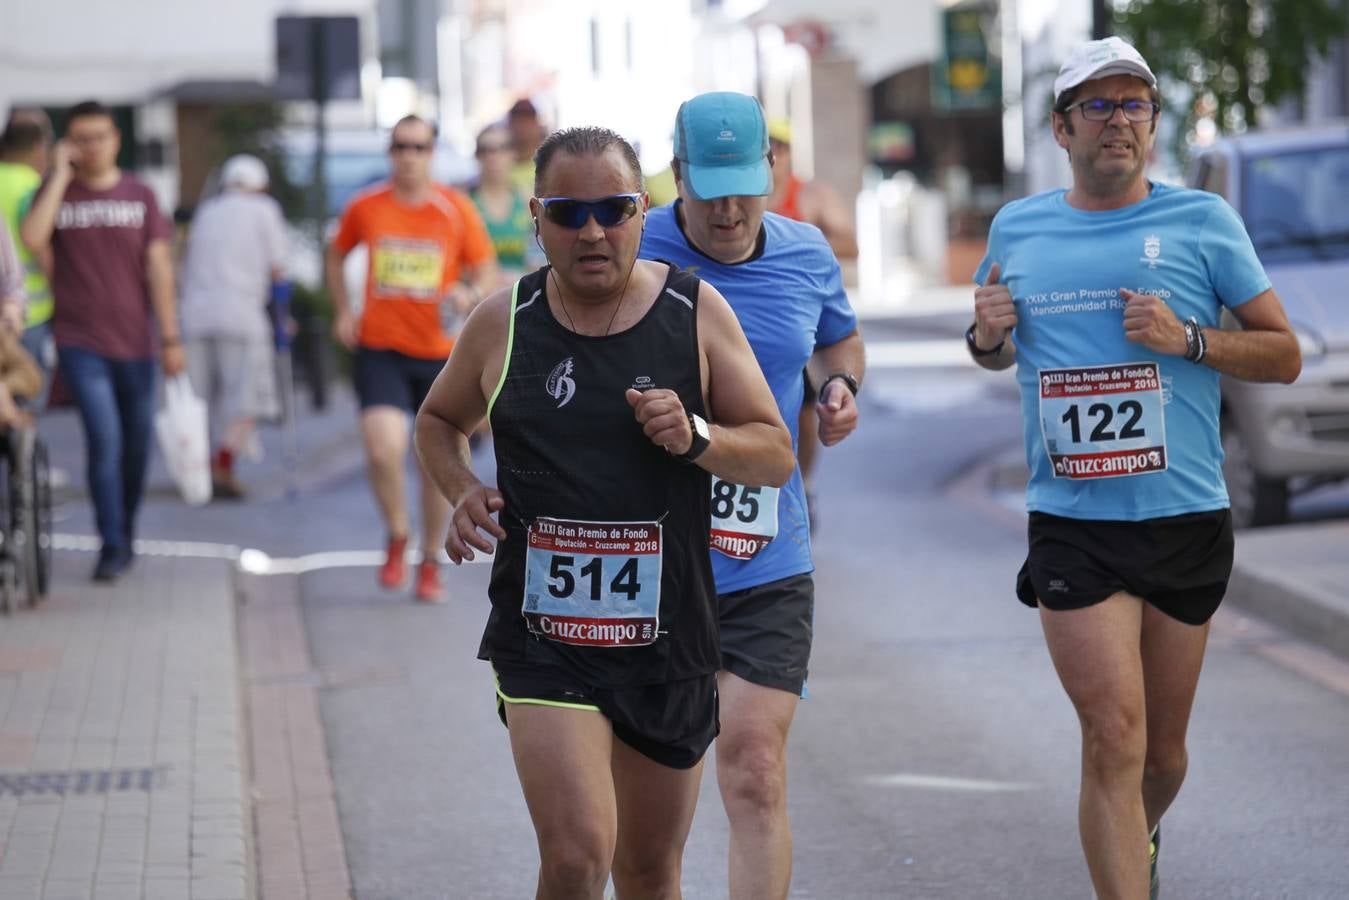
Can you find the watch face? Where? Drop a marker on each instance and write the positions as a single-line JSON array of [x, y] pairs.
[[700, 427]]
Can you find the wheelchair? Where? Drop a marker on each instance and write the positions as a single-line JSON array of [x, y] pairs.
[[25, 518]]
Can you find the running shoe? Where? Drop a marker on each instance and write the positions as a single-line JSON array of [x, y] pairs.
[[1154, 845], [394, 570], [428, 588]]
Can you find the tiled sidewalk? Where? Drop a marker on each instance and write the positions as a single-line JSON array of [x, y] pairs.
[[121, 738]]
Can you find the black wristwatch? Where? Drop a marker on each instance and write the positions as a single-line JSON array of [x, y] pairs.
[[976, 350], [702, 438], [848, 378]]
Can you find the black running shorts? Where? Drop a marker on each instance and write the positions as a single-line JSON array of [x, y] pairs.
[[390, 378], [672, 723], [1179, 564], [766, 632]]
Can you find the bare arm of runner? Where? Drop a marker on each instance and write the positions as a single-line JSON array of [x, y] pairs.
[[749, 443], [994, 318], [1264, 350], [836, 406], [344, 321], [159, 269], [454, 406], [481, 279]]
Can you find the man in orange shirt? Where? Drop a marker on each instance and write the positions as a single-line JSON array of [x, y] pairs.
[[430, 261]]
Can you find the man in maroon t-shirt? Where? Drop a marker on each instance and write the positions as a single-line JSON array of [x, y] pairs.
[[112, 279]]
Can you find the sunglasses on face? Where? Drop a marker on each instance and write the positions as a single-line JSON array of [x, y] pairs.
[[493, 148], [406, 146], [608, 211], [1102, 110]]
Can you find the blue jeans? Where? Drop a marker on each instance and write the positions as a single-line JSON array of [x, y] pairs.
[[116, 399]]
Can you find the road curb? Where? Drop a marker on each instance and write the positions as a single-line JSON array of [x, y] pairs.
[[1304, 611]]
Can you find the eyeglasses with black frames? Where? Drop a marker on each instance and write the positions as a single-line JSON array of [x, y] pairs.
[[1099, 109]]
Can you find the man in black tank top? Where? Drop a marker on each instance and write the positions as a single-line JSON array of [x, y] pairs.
[[615, 389]]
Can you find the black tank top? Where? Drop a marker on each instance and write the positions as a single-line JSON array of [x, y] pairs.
[[606, 551]]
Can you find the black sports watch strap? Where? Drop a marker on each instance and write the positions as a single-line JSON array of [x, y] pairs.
[[976, 350], [702, 438], [848, 378]]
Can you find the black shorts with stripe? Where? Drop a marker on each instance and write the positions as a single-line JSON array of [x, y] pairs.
[[672, 723]]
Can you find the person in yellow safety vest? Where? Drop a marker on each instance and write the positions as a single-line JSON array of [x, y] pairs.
[[24, 150]]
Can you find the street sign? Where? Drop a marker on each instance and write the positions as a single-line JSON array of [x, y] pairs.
[[967, 77], [318, 58]]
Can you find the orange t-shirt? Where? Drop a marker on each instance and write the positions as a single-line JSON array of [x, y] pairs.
[[416, 254]]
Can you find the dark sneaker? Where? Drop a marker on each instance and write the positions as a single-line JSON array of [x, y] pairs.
[[224, 486], [1154, 846], [111, 564]]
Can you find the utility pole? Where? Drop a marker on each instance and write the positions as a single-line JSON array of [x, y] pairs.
[[1101, 25]]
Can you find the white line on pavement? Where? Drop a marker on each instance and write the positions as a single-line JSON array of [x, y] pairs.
[[944, 783], [249, 559], [917, 354]]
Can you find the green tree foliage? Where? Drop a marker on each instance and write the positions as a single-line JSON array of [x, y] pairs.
[[1235, 56]]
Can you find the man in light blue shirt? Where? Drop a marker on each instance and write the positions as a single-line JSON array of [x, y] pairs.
[[1107, 298], [783, 282]]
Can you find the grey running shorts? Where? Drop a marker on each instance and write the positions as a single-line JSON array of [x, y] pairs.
[[766, 632]]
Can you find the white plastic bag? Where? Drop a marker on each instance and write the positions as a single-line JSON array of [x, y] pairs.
[[184, 438]]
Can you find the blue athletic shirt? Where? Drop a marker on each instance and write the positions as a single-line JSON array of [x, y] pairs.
[[1114, 430], [790, 300]]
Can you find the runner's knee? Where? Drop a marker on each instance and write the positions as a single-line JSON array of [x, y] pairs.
[[647, 875], [1113, 739], [575, 862], [753, 771], [1165, 762]]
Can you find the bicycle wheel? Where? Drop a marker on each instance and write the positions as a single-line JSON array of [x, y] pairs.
[[33, 506]]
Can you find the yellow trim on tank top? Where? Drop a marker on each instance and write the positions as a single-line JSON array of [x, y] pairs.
[[510, 342]]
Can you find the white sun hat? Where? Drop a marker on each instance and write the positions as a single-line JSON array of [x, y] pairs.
[[1097, 59]]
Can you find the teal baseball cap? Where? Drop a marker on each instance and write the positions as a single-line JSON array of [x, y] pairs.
[[721, 142]]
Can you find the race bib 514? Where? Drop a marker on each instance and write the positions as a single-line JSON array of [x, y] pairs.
[[593, 584]]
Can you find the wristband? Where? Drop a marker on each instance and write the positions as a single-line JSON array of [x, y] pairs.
[[1196, 346], [847, 378], [171, 341], [976, 350]]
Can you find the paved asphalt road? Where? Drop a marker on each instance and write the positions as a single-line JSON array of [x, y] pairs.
[[936, 756]]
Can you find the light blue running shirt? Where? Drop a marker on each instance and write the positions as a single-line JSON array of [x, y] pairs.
[[789, 299], [1114, 430]]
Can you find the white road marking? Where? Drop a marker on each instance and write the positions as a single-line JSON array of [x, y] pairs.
[[945, 783], [918, 354], [248, 559]]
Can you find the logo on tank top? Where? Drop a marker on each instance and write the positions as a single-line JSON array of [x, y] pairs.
[[1152, 251], [560, 385]]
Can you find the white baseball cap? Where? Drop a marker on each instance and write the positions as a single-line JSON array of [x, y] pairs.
[[1097, 59], [244, 172]]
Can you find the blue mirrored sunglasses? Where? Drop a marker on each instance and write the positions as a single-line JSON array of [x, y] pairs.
[[572, 213]]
